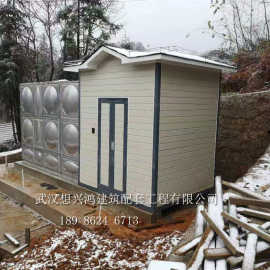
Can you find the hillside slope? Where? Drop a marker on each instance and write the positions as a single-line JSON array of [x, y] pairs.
[[253, 73]]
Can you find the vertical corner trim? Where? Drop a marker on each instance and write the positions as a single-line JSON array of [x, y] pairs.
[[79, 121], [217, 122], [156, 135]]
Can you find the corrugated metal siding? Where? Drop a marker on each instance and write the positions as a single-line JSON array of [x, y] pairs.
[[188, 114], [6, 132], [137, 84]]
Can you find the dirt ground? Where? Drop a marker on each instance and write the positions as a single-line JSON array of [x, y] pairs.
[[187, 215], [84, 247], [104, 247], [32, 186], [74, 248]]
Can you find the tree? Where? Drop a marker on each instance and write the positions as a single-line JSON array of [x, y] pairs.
[[45, 12], [86, 25], [30, 47], [12, 25], [220, 55], [242, 24], [126, 43], [30, 40], [44, 62]]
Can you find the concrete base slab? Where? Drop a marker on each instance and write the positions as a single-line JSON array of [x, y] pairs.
[[31, 190], [13, 220], [125, 210], [35, 183]]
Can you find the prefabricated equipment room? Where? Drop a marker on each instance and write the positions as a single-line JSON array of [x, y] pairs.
[[139, 124]]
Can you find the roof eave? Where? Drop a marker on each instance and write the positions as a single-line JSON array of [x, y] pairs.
[[78, 68], [71, 68], [92, 62], [170, 59]]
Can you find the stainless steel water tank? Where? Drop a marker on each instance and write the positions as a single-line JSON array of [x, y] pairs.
[[70, 168], [50, 127], [27, 131], [70, 100], [28, 154], [51, 135], [51, 161], [39, 156], [27, 100], [50, 100], [38, 132], [38, 101], [70, 139]]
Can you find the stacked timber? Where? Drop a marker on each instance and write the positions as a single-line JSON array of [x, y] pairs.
[[232, 232]]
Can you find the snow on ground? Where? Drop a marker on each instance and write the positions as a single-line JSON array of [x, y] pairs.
[[258, 177], [79, 249], [99, 250]]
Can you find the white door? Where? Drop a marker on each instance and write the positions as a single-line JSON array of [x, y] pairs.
[[112, 144]]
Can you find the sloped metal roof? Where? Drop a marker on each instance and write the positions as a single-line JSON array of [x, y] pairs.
[[156, 55]]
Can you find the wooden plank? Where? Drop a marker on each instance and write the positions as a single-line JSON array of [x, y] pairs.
[[220, 264], [262, 247], [253, 202], [185, 247], [243, 191], [199, 224], [258, 231], [234, 234], [250, 252], [198, 256], [265, 226], [231, 194], [227, 241], [264, 266], [164, 265], [210, 264], [263, 255], [19, 249], [216, 253], [11, 239], [235, 261], [219, 199], [254, 213]]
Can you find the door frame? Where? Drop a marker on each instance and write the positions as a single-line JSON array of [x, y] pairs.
[[112, 101]]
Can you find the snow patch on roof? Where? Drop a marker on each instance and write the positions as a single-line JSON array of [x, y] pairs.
[[154, 55], [174, 53]]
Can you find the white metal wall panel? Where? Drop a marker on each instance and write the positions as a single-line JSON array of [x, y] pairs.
[[188, 118], [114, 80]]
